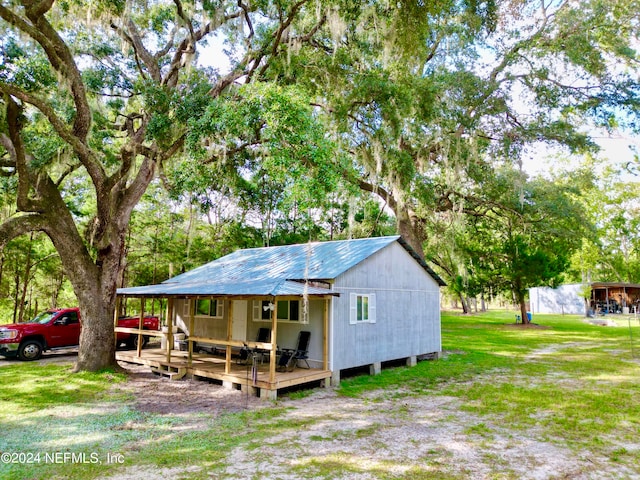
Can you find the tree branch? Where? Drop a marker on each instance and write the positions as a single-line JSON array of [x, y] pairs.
[[85, 155], [14, 123], [63, 62], [278, 37], [188, 44], [16, 226]]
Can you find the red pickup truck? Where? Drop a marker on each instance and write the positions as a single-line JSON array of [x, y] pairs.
[[59, 328]]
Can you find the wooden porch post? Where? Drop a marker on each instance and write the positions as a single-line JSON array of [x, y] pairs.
[[170, 313], [115, 321], [227, 358], [192, 322], [325, 336], [140, 324], [274, 334]]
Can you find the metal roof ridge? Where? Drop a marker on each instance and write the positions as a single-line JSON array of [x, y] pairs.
[[321, 242]]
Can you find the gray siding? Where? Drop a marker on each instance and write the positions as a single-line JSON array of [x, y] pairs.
[[288, 332], [407, 311]]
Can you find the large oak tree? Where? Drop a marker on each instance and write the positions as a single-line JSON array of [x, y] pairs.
[[107, 90], [114, 91], [425, 112]]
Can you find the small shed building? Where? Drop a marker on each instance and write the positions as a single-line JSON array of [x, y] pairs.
[[605, 298], [363, 302]]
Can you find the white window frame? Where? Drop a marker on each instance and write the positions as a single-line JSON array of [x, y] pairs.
[[357, 312], [260, 314]]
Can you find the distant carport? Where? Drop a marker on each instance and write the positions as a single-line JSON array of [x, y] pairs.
[[613, 296]]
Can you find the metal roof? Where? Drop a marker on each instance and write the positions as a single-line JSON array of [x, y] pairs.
[[281, 270], [614, 285], [247, 288]]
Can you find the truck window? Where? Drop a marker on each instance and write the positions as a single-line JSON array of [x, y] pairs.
[[43, 317], [72, 317]]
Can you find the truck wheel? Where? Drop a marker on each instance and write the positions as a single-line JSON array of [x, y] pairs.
[[133, 341], [30, 350]]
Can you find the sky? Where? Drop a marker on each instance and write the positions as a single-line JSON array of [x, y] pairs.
[[615, 151]]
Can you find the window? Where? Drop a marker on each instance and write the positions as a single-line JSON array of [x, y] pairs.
[[289, 310], [363, 308], [73, 318], [286, 311], [261, 311], [210, 308], [69, 318]]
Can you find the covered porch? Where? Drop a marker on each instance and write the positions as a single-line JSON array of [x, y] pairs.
[[615, 297], [256, 379], [232, 335]]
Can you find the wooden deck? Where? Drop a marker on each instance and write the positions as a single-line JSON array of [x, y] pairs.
[[213, 367]]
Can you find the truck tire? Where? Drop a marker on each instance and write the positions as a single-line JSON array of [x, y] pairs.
[[133, 341], [30, 350]]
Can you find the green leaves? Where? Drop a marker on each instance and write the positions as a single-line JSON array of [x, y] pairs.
[[268, 134], [170, 110], [27, 69]]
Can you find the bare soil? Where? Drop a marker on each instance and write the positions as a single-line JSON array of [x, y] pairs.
[[156, 394]]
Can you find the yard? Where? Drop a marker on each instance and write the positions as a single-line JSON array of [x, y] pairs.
[[556, 400]]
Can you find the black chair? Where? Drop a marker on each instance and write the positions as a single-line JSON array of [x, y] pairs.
[[289, 357], [246, 353], [264, 336]]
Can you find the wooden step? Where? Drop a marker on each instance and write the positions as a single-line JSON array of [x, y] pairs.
[[173, 373]]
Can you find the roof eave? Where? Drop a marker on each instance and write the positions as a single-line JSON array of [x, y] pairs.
[[421, 261]]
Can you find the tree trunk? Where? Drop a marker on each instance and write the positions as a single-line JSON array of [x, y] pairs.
[[96, 292], [523, 310], [56, 286], [1, 266], [94, 282], [410, 229], [465, 304], [409, 225], [97, 300], [25, 283], [97, 344], [16, 289]]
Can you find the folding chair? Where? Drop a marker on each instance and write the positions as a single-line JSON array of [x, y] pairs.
[[264, 336], [290, 357]]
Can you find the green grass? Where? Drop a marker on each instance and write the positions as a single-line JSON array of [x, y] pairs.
[[29, 387], [567, 382], [581, 391]]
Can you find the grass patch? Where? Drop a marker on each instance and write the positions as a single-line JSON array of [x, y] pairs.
[[345, 465], [29, 387]]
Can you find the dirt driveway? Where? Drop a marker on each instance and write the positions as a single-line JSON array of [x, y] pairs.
[[65, 355]]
